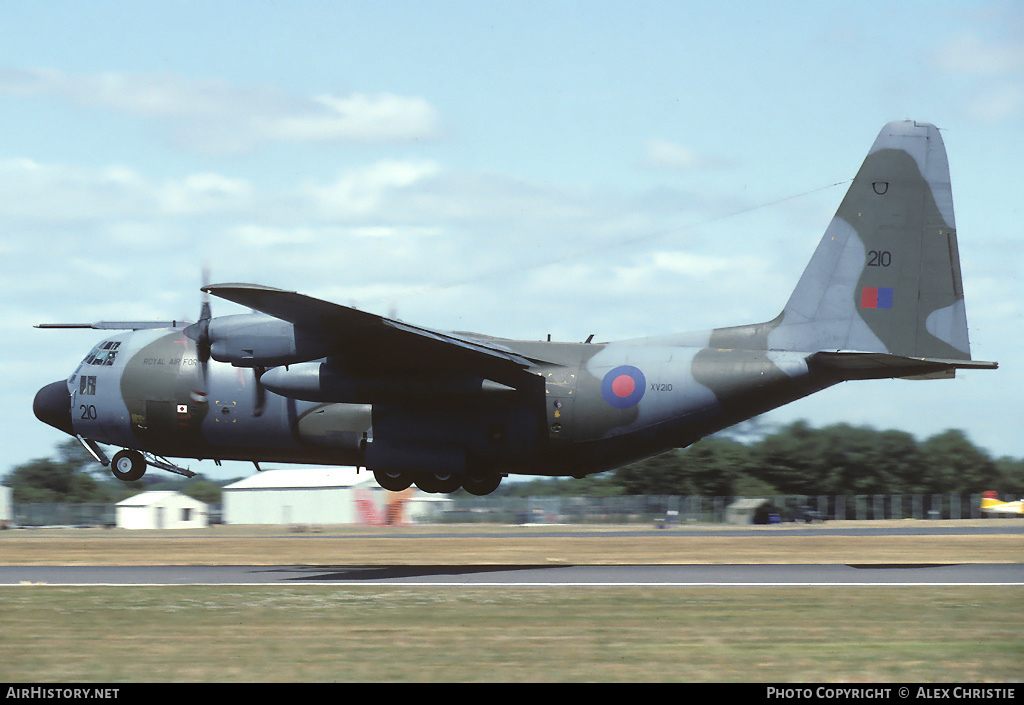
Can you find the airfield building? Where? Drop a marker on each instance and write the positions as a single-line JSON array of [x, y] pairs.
[[322, 496], [161, 510], [6, 507]]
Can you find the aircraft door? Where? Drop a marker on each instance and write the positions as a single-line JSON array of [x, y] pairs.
[[560, 393]]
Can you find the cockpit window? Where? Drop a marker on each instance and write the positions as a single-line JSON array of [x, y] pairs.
[[103, 354]]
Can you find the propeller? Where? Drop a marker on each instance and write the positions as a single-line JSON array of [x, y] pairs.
[[260, 400], [200, 333]]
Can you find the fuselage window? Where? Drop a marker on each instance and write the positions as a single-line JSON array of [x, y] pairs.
[[87, 384]]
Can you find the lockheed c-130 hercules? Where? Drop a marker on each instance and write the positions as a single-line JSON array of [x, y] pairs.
[[302, 380]]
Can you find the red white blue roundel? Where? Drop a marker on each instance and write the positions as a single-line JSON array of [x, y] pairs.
[[623, 386]]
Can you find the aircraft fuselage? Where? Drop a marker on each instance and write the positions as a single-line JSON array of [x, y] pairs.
[[599, 405]]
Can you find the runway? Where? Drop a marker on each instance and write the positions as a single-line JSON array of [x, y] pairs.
[[525, 576]]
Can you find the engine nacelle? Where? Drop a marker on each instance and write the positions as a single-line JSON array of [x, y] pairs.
[[259, 340]]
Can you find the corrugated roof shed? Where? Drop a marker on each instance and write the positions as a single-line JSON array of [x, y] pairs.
[[305, 478]]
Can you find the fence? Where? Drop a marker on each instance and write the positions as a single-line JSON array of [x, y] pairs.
[[59, 514], [699, 509], [607, 510]]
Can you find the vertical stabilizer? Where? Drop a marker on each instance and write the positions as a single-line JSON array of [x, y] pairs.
[[885, 278]]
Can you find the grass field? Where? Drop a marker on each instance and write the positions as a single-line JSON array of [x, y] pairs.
[[498, 545], [346, 633]]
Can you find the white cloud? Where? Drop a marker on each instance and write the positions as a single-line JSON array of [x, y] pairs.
[[358, 117], [205, 193], [213, 116], [998, 102], [669, 155], [696, 265], [993, 72], [57, 192], [969, 54], [371, 191], [49, 193]]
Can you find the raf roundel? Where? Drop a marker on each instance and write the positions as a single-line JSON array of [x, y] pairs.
[[623, 386]]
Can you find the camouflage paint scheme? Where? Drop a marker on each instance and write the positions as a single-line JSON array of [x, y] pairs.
[[307, 381]]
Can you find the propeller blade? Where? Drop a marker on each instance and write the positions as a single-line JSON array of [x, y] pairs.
[[261, 393], [200, 333]]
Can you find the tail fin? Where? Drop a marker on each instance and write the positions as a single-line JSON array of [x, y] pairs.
[[886, 276]]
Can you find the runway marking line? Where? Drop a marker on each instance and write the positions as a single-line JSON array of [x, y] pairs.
[[342, 584]]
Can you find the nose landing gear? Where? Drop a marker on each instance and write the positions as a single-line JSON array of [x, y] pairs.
[[130, 465]]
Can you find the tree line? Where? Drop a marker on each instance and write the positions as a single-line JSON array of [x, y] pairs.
[[748, 461], [840, 459]]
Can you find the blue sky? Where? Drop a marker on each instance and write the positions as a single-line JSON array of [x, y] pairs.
[[515, 169]]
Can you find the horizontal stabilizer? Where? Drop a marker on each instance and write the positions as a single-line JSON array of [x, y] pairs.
[[853, 364], [117, 325]]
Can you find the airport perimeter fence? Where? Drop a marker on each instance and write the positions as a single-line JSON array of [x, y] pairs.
[[651, 509], [699, 509], [62, 514]]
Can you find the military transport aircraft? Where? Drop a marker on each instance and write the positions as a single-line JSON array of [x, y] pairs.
[[302, 380]]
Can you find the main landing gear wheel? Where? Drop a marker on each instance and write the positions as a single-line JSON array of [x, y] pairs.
[[439, 483], [393, 481], [481, 483], [128, 465]]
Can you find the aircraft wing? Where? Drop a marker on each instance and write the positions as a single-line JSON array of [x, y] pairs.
[[372, 343], [1005, 508]]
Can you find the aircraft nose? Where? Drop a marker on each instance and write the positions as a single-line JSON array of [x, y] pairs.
[[52, 406]]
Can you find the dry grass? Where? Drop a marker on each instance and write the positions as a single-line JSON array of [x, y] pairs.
[[477, 545]]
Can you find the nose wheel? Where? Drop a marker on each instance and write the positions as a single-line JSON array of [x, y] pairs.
[[128, 465]]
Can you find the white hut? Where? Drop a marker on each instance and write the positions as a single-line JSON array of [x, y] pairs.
[[161, 510]]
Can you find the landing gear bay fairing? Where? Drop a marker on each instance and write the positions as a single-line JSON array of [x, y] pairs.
[[302, 380]]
